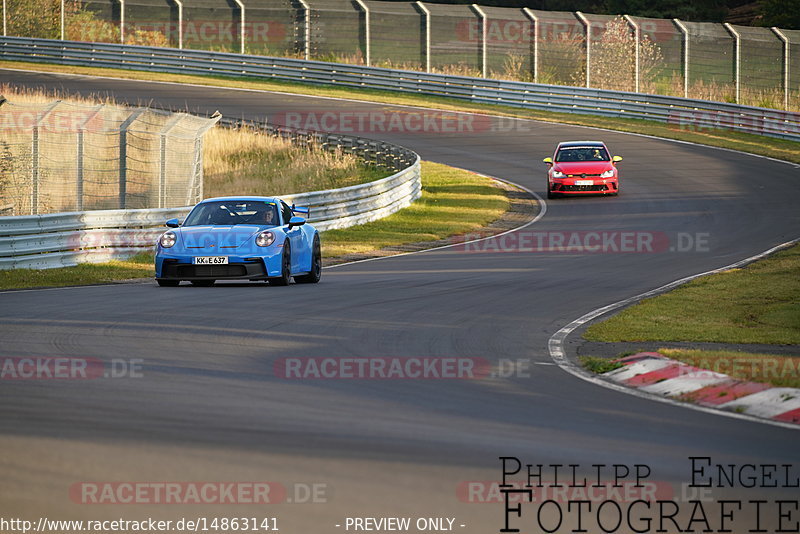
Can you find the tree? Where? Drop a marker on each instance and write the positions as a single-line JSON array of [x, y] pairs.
[[781, 13]]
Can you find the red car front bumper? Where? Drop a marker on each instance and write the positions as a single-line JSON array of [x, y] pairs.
[[609, 187]]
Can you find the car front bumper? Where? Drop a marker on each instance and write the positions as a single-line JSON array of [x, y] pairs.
[[181, 267], [598, 188]]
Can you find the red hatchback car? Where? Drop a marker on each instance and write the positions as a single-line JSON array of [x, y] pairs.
[[582, 168]]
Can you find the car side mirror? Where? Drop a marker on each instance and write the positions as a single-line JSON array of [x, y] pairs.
[[616, 159], [549, 161], [173, 223], [296, 221]]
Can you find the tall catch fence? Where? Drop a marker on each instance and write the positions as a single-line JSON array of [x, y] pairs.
[[747, 65], [61, 156]]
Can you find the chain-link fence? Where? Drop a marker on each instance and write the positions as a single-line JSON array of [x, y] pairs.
[[747, 65], [61, 156]]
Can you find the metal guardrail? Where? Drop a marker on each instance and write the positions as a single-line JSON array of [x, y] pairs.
[[65, 239], [683, 112]]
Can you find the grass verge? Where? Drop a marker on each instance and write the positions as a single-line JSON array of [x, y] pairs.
[[453, 202], [780, 371], [138, 266], [765, 146], [598, 365], [759, 303]]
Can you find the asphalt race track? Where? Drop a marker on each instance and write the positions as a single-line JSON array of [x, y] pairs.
[[209, 407]]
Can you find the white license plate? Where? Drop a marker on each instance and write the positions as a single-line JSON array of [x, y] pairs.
[[584, 182], [211, 260]]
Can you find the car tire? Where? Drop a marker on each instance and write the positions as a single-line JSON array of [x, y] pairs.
[[168, 283], [286, 267], [202, 283], [316, 265]]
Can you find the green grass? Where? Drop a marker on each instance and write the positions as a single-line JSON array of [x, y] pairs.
[[598, 365], [138, 266], [766, 146], [759, 303], [453, 202], [780, 371]]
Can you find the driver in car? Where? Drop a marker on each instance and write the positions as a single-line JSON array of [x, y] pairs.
[[267, 217]]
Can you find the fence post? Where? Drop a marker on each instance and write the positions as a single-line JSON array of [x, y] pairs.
[[484, 27], [365, 12], [162, 155], [35, 170], [121, 21], [241, 25], [306, 29], [588, 28], [737, 58], [35, 158], [80, 165], [63, 17], [685, 33], [123, 155], [427, 46], [786, 49], [535, 44], [637, 35], [179, 3], [5, 32]]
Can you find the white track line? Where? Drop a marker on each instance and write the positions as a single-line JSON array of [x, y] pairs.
[[556, 343]]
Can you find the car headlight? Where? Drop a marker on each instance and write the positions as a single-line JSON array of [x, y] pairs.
[[558, 174], [265, 239], [608, 174], [168, 239]]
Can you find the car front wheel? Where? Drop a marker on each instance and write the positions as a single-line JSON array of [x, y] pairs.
[[316, 265], [286, 268]]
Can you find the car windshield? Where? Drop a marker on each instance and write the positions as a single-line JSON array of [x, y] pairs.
[[583, 153], [233, 212]]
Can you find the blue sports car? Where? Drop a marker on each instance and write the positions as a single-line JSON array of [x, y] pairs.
[[239, 238]]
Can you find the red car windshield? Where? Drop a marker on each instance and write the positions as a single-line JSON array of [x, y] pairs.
[[582, 153]]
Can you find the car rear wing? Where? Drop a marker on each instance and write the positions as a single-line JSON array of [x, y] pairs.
[[305, 211]]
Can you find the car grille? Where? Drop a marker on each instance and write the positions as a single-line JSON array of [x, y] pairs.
[[211, 270], [186, 271], [582, 175], [600, 187]]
